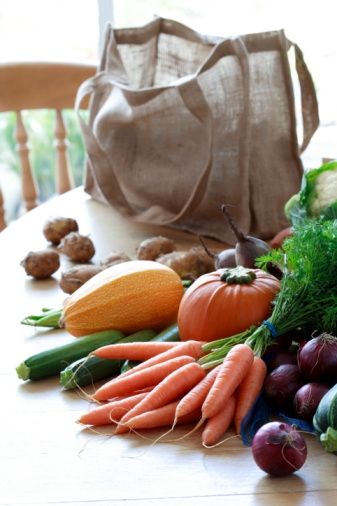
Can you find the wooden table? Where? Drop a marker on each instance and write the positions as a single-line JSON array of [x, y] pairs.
[[48, 459]]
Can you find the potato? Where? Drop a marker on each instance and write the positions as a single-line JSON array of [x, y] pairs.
[[188, 264], [114, 258], [152, 248], [58, 227], [41, 264], [204, 257], [79, 248], [76, 276]]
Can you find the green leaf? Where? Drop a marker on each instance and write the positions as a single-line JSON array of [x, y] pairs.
[[329, 440]]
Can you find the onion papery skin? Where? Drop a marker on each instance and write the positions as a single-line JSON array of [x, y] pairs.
[[278, 449], [317, 360], [307, 399]]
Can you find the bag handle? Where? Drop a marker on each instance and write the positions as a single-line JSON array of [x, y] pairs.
[[195, 101], [310, 115], [97, 156]]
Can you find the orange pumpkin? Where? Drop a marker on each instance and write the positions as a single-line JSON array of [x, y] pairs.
[[225, 302]]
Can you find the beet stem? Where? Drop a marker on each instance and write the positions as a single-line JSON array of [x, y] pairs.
[[238, 234], [209, 253]]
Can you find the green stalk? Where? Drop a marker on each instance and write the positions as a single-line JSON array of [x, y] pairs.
[[214, 345], [220, 353], [50, 318]]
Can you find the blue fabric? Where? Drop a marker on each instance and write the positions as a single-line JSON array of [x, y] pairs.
[[299, 424], [259, 414], [262, 413]]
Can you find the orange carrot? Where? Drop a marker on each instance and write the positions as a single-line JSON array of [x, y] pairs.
[[191, 348], [217, 425], [169, 389], [249, 390], [110, 412], [160, 417], [142, 379], [195, 397], [133, 351], [232, 372]]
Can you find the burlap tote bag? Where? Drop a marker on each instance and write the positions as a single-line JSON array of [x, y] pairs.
[[181, 123]]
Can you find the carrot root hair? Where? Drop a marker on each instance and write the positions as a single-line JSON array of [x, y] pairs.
[[171, 429], [223, 441], [196, 427]]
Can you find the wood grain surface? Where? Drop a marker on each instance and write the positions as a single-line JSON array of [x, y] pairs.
[[46, 458]]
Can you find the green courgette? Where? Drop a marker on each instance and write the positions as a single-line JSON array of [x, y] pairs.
[[89, 369], [128, 364], [325, 420], [171, 333], [51, 362]]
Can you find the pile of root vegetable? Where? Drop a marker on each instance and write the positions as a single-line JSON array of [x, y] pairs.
[[208, 354], [62, 234]]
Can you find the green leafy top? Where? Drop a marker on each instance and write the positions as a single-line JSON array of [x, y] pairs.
[[308, 292]]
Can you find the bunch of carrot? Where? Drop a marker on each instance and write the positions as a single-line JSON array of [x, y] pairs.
[[169, 386]]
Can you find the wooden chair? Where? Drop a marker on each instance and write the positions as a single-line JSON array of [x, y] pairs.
[[27, 86]]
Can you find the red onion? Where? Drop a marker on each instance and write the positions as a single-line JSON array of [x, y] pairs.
[[307, 399], [317, 359], [279, 449], [283, 357], [282, 383]]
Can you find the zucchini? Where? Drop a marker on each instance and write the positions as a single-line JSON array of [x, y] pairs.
[[325, 420], [128, 364], [87, 370], [171, 333], [51, 362]]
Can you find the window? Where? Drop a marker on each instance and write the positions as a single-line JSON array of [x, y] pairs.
[[72, 30], [63, 30], [44, 30]]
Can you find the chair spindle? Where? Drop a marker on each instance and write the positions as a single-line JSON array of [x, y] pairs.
[[2, 212], [64, 180], [29, 187]]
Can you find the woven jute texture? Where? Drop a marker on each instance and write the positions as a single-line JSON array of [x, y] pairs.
[[181, 123]]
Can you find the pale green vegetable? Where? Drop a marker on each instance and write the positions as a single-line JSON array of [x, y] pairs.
[[317, 197]]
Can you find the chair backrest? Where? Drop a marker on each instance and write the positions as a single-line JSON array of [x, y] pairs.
[[27, 86]]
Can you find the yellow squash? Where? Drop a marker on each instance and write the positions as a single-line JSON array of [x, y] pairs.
[[129, 297]]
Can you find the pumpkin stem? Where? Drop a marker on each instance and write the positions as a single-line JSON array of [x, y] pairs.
[[238, 275]]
